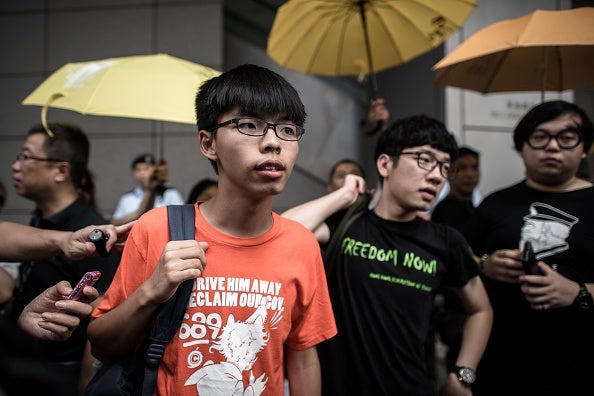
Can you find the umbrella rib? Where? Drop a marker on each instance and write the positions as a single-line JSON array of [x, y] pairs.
[[392, 40], [501, 60]]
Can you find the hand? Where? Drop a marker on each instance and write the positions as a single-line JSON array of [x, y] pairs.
[[378, 112], [504, 265], [352, 187], [78, 245], [160, 175], [51, 317], [549, 290], [179, 261]]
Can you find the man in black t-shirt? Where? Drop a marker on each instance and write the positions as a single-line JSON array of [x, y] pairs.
[[50, 171], [544, 322], [388, 268]]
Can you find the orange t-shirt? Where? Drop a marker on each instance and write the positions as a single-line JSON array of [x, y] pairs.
[[255, 296]]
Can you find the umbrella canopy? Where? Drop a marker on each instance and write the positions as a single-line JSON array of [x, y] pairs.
[[155, 87], [350, 37], [541, 51]]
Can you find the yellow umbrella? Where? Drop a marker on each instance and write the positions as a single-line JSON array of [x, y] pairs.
[[350, 37], [155, 87], [541, 51]]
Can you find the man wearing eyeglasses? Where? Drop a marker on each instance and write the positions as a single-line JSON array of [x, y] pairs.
[[389, 266], [261, 305], [49, 171], [544, 321]]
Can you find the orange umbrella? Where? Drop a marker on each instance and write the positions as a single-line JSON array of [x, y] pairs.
[[541, 51]]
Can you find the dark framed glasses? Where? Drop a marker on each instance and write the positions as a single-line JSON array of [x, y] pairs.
[[427, 161], [566, 139], [257, 127], [21, 157]]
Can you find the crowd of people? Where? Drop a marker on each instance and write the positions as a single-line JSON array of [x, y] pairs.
[[268, 315]]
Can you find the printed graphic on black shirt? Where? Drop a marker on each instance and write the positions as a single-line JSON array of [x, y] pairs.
[[547, 228]]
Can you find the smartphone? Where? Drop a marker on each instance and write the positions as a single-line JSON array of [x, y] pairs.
[[529, 260], [88, 279]]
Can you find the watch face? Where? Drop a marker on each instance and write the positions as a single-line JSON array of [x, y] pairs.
[[584, 299], [467, 375]]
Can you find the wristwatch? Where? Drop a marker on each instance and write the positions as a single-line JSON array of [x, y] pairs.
[[583, 300], [465, 375]]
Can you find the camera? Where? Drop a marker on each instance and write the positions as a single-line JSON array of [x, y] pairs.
[[99, 238]]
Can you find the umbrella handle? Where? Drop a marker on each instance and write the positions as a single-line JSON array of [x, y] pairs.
[[44, 112], [372, 80]]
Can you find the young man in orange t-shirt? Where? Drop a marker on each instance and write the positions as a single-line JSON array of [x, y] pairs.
[[261, 304]]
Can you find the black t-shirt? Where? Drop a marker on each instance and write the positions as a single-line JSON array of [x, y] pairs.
[[382, 291], [452, 211], [547, 352]]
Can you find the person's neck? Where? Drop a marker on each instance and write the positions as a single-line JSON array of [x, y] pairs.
[[238, 216], [571, 184], [393, 212]]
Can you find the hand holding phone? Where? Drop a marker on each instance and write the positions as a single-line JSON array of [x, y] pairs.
[[529, 260], [88, 279], [99, 238]]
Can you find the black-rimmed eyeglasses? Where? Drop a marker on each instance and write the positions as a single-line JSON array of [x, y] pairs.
[[25, 157], [426, 160], [257, 127], [566, 139]]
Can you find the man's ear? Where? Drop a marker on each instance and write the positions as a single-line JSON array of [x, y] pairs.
[[62, 172], [384, 164], [208, 146]]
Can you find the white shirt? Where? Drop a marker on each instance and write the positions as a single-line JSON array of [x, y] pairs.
[[130, 201]]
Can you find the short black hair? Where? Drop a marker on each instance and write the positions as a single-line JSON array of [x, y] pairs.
[[69, 144], [256, 90], [199, 187], [465, 150], [416, 130], [548, 111]]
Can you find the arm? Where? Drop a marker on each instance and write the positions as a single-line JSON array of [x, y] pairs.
[[313, 213], [475, 334], [22, 242], [303, 372], [180, 260], [50, 317]]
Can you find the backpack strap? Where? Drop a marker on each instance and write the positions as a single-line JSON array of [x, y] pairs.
[[169, 314], [353, 212]]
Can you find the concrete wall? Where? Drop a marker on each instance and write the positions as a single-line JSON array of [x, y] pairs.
[[38, 37]]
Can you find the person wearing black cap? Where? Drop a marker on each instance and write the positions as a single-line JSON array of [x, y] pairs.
[[149, 193], [544, 320]]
